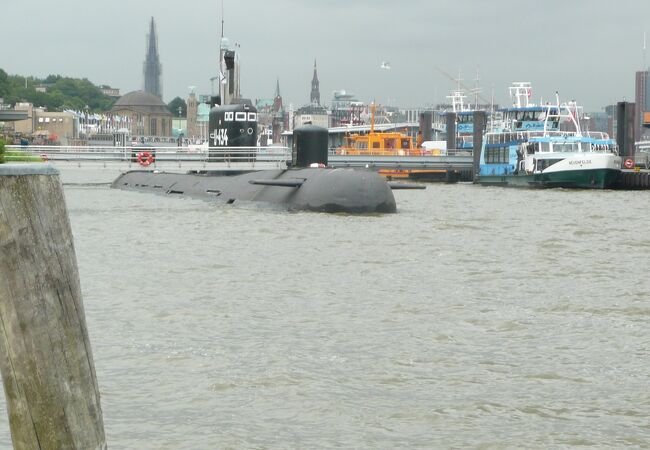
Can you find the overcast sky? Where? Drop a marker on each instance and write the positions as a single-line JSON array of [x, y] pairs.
[[587, 50]]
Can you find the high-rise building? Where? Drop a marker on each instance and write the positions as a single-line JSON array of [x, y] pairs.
[[315, 89], [642, 100], [152, 67]]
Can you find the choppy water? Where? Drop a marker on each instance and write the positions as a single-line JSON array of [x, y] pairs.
[[475, 317]]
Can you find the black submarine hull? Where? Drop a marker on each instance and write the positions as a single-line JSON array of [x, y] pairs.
[[299, 189]]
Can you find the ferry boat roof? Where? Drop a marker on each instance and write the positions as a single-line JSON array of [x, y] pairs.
[[603, 139], [540, 108]]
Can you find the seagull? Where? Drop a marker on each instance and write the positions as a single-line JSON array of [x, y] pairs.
[[385, 65]]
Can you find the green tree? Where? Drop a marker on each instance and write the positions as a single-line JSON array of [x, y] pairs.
[[175, 104], [4, 83]]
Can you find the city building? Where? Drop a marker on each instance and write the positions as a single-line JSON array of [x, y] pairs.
[[152, 68], [346, 109], [148, 114], [46, 126], [311, 114], [109, 91], [642, 109]]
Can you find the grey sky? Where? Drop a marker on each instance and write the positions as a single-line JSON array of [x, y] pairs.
[[587, 50]]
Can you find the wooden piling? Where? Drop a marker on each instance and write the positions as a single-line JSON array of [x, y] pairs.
[[45, 357]]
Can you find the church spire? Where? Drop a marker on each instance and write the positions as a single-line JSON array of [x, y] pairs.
[[277, 88], [277, 100], [315, 91], [152, 67]]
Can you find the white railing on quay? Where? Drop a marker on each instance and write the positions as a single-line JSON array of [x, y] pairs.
[[154, 154]]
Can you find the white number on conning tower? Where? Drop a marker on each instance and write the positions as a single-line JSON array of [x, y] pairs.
[[220, 137]]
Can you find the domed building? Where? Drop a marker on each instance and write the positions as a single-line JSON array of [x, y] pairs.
[[148, 115]]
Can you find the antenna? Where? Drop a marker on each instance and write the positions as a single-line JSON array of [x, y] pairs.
[[644, 52], [222, 18]]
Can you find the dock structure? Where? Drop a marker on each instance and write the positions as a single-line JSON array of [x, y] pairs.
[[633, 180], [45, 356]]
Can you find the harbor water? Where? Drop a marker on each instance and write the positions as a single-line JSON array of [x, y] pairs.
[[475, 317]]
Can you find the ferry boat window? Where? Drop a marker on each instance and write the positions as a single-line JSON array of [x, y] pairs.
[[375, 145], [497, 155], [545, 147], [405, 143], [545, 163], [389, 143]]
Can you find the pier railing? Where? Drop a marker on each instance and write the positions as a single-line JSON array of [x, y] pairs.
[[161, 157], [152, 154]]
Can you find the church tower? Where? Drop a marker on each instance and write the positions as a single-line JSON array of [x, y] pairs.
[[277, 98], [277, 123], [315, 91], [152, 67]]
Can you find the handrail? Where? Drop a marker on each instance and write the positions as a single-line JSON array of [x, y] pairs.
[[130, 153]]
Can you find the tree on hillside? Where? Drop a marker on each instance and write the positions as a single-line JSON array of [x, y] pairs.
[[62, 92], [175, 104], [4, 83]]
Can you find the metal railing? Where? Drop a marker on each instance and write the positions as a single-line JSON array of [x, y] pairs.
[[399, 152], [154, 154]]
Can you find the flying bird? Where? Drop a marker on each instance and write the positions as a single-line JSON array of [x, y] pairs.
[[385, 65]]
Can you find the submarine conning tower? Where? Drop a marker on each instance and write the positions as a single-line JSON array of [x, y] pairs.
[[233, 125], [309, 146]]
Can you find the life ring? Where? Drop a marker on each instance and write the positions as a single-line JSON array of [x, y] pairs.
[[629, 163], [145, 158]]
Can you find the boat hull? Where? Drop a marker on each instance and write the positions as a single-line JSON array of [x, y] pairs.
[[603, 178]]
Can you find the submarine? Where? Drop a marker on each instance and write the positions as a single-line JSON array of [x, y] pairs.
[[306, 185]]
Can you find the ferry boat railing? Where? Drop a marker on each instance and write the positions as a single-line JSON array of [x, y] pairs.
[[501, 137]]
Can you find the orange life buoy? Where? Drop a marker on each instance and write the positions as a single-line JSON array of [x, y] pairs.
[[145, 158], [629, 163]]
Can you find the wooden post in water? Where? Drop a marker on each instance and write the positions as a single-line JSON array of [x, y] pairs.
[[625, 127], [451, 131], [45, 358], [480, 123]]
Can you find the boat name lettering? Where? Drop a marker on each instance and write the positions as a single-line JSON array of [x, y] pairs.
[[581, 161]]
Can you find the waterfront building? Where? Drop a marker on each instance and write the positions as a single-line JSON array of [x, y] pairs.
[[152, 68], [311, 114], [148, 114], [46, 126], [346, 109]]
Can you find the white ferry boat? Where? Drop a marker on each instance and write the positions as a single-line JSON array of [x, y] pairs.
[[543, 146]]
